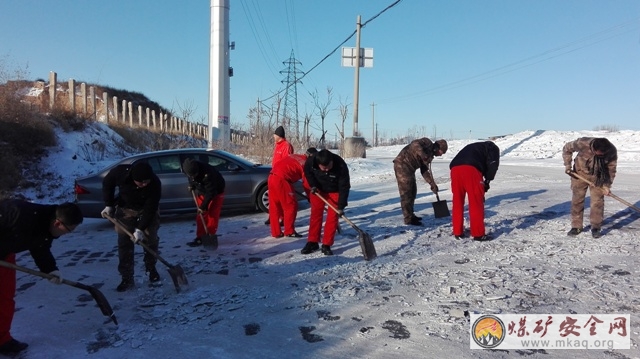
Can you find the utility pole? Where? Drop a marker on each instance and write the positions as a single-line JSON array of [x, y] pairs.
[[356, 86], [219, 74], [373, 124]]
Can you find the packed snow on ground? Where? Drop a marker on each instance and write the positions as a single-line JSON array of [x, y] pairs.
[[258, 297]]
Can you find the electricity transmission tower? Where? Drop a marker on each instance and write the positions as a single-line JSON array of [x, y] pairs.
[[290, 108]]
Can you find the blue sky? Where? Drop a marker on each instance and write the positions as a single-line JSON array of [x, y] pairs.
[[454, 69]]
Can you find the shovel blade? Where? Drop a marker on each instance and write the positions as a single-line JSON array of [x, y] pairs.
[[103, 303], [366, 244], [178, 277], [210, 241], [440, 209]]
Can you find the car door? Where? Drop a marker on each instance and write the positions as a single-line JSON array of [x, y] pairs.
[[238, 185], [175, 196]]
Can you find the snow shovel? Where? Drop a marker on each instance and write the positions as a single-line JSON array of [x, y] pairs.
[[176, 272], [97, 295], [576, 175], [440, 208], [366, 244], [208, 240]]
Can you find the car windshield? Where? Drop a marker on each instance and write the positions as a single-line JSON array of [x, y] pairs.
[[240, 159]]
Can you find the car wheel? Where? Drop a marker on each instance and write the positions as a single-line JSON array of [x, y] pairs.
[[262, 199]]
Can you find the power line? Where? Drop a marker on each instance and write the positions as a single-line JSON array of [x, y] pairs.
[[335, 49]]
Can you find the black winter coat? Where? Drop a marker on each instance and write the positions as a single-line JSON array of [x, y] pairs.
[[25, 226], [208, 183], [485, 156], [335, 180], [145, 199]]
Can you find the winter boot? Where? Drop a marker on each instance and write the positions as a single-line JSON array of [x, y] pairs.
[[574, 232], [596, 233], [310, 247], [126, 284], [326, 250], [154, 276], [12, 347], [195, 242], [484, 238]]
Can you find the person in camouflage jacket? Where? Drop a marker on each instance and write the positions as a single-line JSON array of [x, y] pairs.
[[596, 161], [416, 155]]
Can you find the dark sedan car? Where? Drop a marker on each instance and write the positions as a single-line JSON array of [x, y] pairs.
[[246, 182]]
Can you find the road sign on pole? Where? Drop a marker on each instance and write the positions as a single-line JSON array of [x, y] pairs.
[[349, 57]]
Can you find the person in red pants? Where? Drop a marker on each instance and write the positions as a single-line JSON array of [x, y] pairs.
[[208, 185], [328, 176], [471, 171], [281, 150], [283, 201], [32, 227]]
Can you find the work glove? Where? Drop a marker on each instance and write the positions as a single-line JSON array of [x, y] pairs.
[[138, 236], [340, 212], [314, 190], [434, 188], [567, 170], [200, 210], [58, 277], [107, 212], [486, 186], [190, 188]]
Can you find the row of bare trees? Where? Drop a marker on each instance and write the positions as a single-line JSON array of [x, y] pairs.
[[265, 118]]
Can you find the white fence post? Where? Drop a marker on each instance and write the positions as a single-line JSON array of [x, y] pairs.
[[53, 84], [92, 95], [115, 108], [83, 90], [124, 111], [105, 106], [130, 114], [72, 95]]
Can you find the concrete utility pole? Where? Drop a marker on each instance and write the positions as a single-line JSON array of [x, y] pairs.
[[219, 74], [356, 85]]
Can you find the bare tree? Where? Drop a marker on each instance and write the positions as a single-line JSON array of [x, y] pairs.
[[323, 110], [344, 112]]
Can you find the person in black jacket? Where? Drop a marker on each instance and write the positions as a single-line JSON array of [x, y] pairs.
[[468, 167], [208, 185], [33, 227], [136, 207], [328, 176]]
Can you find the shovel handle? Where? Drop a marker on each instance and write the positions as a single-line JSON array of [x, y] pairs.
[[336, 210], [100, 299], [40, 274], [146, 247], [575, 175], [204, 224]]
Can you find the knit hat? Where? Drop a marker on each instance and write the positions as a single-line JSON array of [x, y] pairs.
[[279, 132], [141, 172], [442, 146], [190, 167], [311, 151]]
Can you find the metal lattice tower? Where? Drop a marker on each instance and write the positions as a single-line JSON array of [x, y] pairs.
[[290, 108]]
